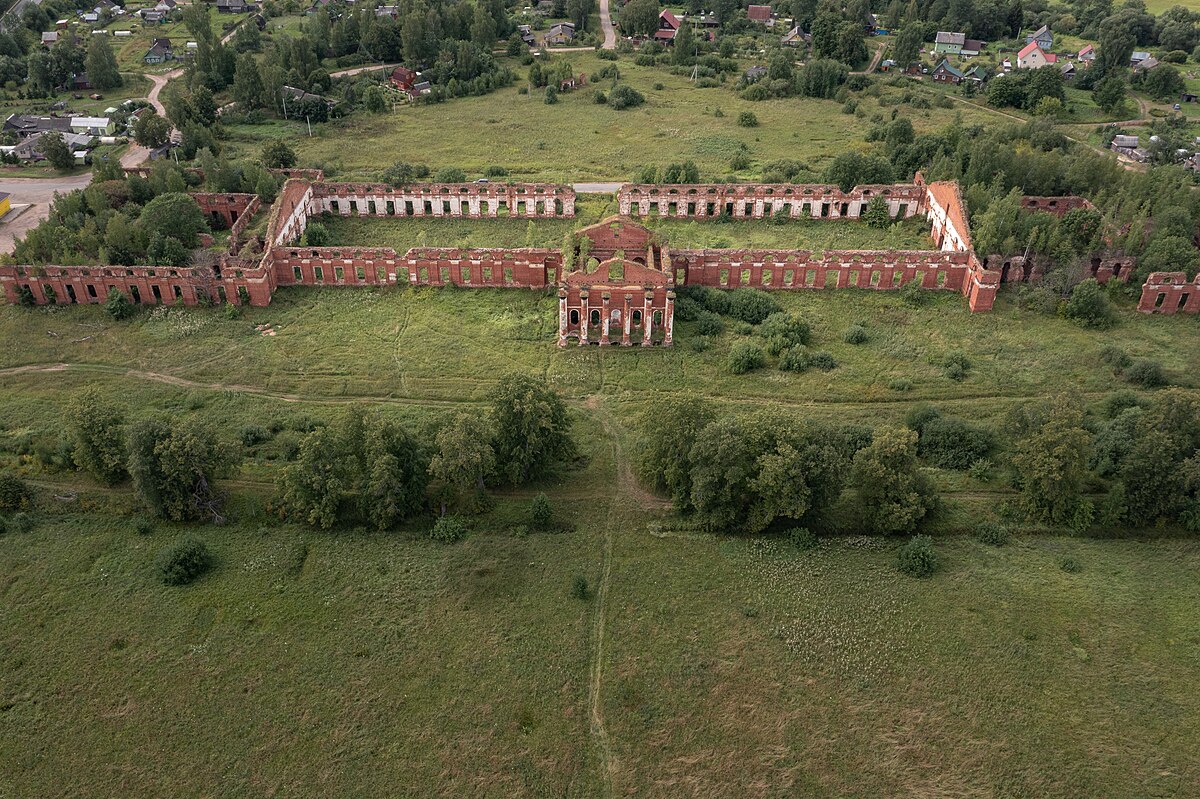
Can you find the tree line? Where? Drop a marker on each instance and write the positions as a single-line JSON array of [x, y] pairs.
[[362, 469]]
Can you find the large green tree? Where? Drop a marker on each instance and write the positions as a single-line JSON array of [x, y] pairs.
[[174, 465], [531, 428], [97, 436], [639, 17], [362, 469], [893, 494], [102, 64], [1052, 465], [173, 215], [669, 431], [462, 459]]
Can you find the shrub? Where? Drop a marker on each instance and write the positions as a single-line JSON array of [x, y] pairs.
[[857, 334], [448, 529], [980, 469], [709, 324], [118, 305], [1089, 305], [14, 493], [823, 360], [752, 305], [551, 95], [1146, 373], [579, 587], [541, 514], [789, 328], [253, 434], [20, 523], [746, 357], [953, 443], [701, 344], [743, 328], [623, 97], [794, 359], [143, 525], [917, 558], [747, 119], [1071, 565], [802, 538], [992, 534], [912, 293], [900, 384], [183, 561], [1115, 357]]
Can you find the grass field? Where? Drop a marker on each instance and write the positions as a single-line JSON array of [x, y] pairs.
[[575, 139], [355, 663], [402, 234]]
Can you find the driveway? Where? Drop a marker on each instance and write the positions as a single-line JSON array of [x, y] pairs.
[[610, 35]]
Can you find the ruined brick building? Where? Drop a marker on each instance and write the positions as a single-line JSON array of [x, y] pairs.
[[623, 292]]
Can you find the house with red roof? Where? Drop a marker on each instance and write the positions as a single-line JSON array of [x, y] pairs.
[[668, 26], [760, 14], [1032, 56], [1087, 54]]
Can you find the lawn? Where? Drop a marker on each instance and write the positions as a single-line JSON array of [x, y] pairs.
[[356, 663], [576, 139], [817, 235]]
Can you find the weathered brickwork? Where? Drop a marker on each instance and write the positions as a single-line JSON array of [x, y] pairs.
[[1059, 206], [623, 294], [755, 201], [473, 200], [228, 207], [1170, 293]]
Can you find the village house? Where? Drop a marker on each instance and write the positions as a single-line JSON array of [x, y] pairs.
[[409, 82], [761, 15], [796, 37], [1032, 56], [297, 95], [949, 42], [570, 84], [526, 34], [668, 26], [560, 33], [971, 48], [160, 52], [944, 73], [235, 7], [754, 74], [24, 125], [49, 38], [1087, 55], [976, 74], [1137, 57], [93, 126], [1067, 68], [388, 11], [32, 149], [1042, 37], [151, 17], [1145, 65]]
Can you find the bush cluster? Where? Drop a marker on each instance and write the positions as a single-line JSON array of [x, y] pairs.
[[917, 558], [183, 561]]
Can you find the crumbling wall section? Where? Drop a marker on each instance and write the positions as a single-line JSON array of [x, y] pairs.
[[756, 201], [1170, 293]]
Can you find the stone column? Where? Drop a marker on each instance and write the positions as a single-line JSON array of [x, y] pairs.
[[647, 318], [585, 317], [628, 320], [669, 320], [604, 319], [562, 317]]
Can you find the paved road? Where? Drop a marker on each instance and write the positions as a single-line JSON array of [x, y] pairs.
[[610, 35], [38, 192]]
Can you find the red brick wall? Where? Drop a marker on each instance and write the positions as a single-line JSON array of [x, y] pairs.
[[1058, 206], [801, 269], [425, 266], [1170, 293], [230, 207], [138, 283], [759, 200]]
